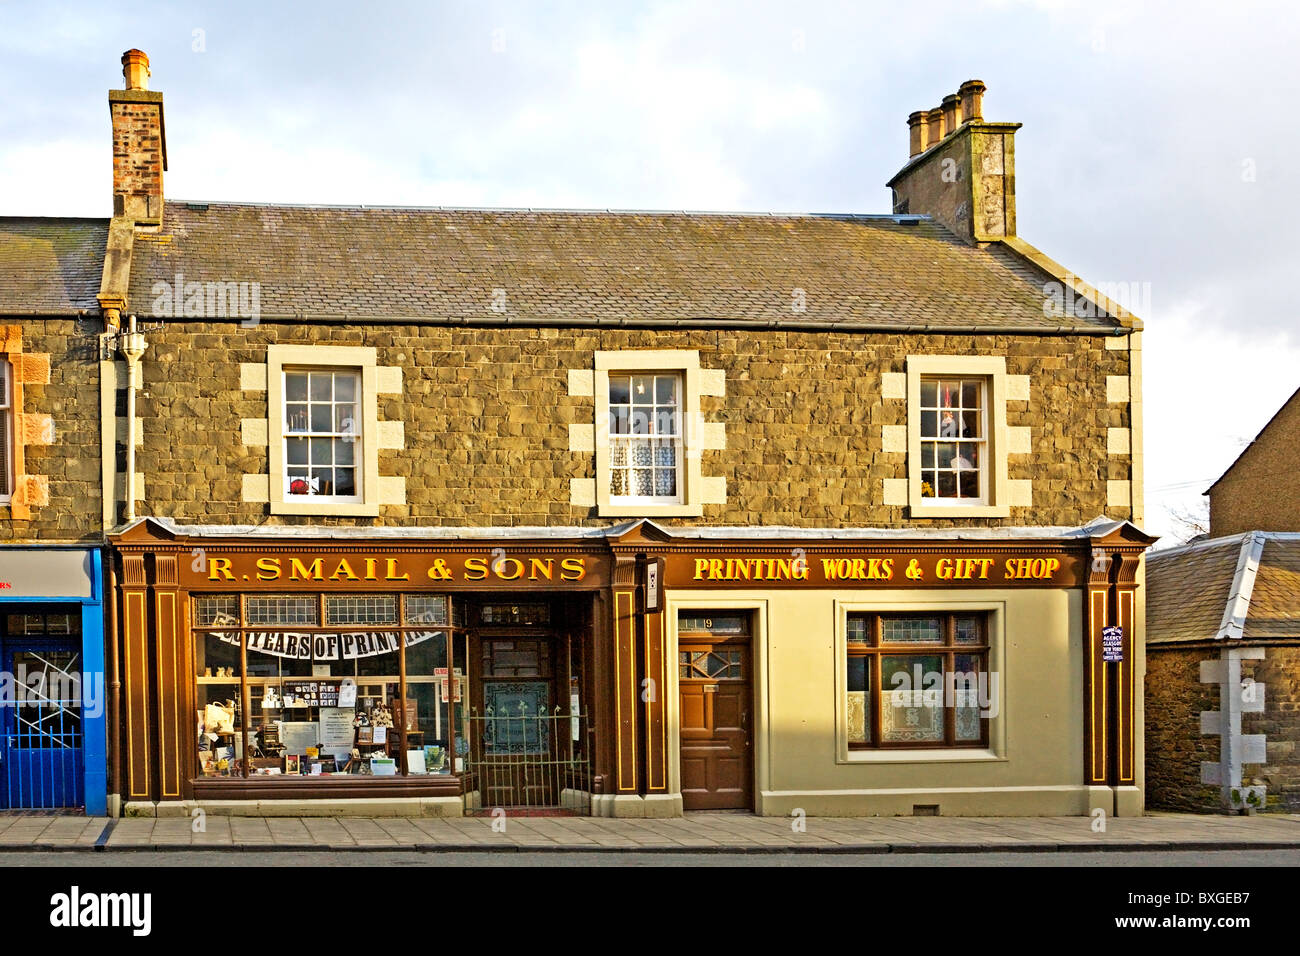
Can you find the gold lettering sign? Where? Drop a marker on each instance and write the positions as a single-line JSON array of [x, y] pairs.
[[406, 569], [900, 570]]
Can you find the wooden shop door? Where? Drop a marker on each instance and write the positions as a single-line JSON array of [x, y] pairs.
[[717, 746]]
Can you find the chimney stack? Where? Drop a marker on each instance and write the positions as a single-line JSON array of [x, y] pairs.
[[951, 113], [972, 100], [135, 67], [139, 144], [918, 130], [934, 126], [961, 169]]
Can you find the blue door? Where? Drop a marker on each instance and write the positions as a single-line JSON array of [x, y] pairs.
[[40, 728]]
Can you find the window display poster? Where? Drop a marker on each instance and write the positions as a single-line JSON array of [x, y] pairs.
[[415, 762], [298, 735], [348, 693], [336, 729]]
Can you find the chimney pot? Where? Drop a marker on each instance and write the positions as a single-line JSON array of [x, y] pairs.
[[917, 128], [934, 123], [135, 67], [951, 113], [972, 100]]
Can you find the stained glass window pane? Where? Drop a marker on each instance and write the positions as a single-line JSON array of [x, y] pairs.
[[280, 609], [220, 609], [859, 630], [912, 630]]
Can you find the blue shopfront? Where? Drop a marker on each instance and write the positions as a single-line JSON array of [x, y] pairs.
[[53, 691]]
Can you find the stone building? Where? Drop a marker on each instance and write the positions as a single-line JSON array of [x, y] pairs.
[[1223, 642], [53, 722], [627, 513], [1260, 491]]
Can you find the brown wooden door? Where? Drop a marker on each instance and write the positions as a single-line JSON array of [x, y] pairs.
[[717, 747]]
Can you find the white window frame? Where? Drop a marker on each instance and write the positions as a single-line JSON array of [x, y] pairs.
[[296, 358], [992, 370], [983, 441], [357, 435], [678, 444], [685, 363]]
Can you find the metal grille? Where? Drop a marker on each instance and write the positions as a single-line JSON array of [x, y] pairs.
[[280, 609], [530, 762], [426, 609], [361, 609], [217, 609], [42, 749]]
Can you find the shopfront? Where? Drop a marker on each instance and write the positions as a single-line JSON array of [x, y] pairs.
[[630, 671], [860, 673], [52, 680], [406, 674]]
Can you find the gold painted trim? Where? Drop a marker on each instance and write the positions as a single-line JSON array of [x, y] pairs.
[[143, 684], [1096, 620], [1126, 681], [618, 696], [170, 598], [659, 680]]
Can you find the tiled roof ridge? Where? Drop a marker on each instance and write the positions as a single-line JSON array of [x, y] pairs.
[[562, 210], [1237, 608]]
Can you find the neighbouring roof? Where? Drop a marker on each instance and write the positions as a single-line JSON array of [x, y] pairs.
[[50, 266], [1244, 586], [597, 267]]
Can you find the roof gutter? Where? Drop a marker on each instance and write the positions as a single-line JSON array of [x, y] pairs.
[[702, 322]]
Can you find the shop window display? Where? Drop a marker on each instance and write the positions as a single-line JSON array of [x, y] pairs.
[[326, 698], [917, 680]]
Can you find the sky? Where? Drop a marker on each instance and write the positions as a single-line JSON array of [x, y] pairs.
[[1157, 153]]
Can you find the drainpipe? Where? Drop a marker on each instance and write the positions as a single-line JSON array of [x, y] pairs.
[[133, 345]]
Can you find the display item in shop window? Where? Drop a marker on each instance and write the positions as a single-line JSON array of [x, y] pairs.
[[362, 719], [218, 719], [381, 716], [270, 699]]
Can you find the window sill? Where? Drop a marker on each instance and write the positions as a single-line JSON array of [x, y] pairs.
[[960, 511], [356, 509], [937, 755], [649, 511]]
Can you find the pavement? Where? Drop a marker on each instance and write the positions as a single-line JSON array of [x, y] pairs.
[[699, 832]]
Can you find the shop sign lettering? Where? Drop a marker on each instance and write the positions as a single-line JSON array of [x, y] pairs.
[[923, 569], [412, 570]]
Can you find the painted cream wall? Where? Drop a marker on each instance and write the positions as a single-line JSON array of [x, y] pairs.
[[1034, 764]]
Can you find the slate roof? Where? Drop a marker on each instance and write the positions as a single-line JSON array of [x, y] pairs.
[[597, 267], [50, 266], [1275, 602], [1188, 589]]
